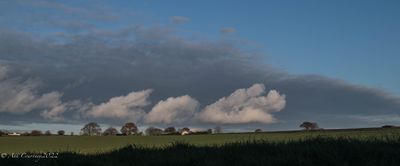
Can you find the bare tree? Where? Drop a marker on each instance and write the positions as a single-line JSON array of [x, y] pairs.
[[309, 125], [60, 132], [110, 131], [153, 131], [91, 128], [217, 129], [129, 128]]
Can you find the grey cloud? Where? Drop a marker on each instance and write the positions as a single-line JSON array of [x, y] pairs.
[[179, 19], [227, 30], [55, 113], [21, 96], [70, 25], [3, 71]]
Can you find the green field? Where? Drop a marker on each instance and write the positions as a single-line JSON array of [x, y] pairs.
[[99, 144]]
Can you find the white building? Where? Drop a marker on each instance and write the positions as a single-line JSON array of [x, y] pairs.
[[184, 133], [14, 134]]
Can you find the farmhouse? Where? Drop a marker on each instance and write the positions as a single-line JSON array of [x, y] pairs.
[[14, 134], [185, 133]]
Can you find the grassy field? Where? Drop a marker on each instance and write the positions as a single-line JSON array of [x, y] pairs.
[[101, 144]]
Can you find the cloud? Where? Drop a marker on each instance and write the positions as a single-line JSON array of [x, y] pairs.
[[140, 57], [179, 19], [227, 30], [3, 71], [173, 110], [244, 106], [57, 113], [82, 66], [21, 96], [89, 12], [123, 107], [54, 113]]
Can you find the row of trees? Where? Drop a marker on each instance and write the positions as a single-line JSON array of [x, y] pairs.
[[47, 133], [93, 128], [130, 128], [174, 131], [306, 125], [36, 133]]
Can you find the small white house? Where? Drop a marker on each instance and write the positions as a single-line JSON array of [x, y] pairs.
[[184, 133], [14, 134]]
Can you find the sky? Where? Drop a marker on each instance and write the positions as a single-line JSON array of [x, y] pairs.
[[237, 64]]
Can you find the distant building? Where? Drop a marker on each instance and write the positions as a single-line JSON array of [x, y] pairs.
[[14, 134], [185, 133]]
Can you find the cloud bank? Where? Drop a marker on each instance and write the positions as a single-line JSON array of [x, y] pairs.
[[89, 73], [242, 106]]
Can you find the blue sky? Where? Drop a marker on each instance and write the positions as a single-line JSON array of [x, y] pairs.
[[329, 61], [352, 40], [357, 41]]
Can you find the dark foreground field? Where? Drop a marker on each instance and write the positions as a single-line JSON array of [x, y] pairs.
[[315, 151]]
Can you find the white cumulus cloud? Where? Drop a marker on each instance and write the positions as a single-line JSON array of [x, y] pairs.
[[173, 110], [123, 107], [244, 106]]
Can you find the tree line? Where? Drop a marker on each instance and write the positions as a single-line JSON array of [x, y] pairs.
[[37, 133], [130, 128]]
